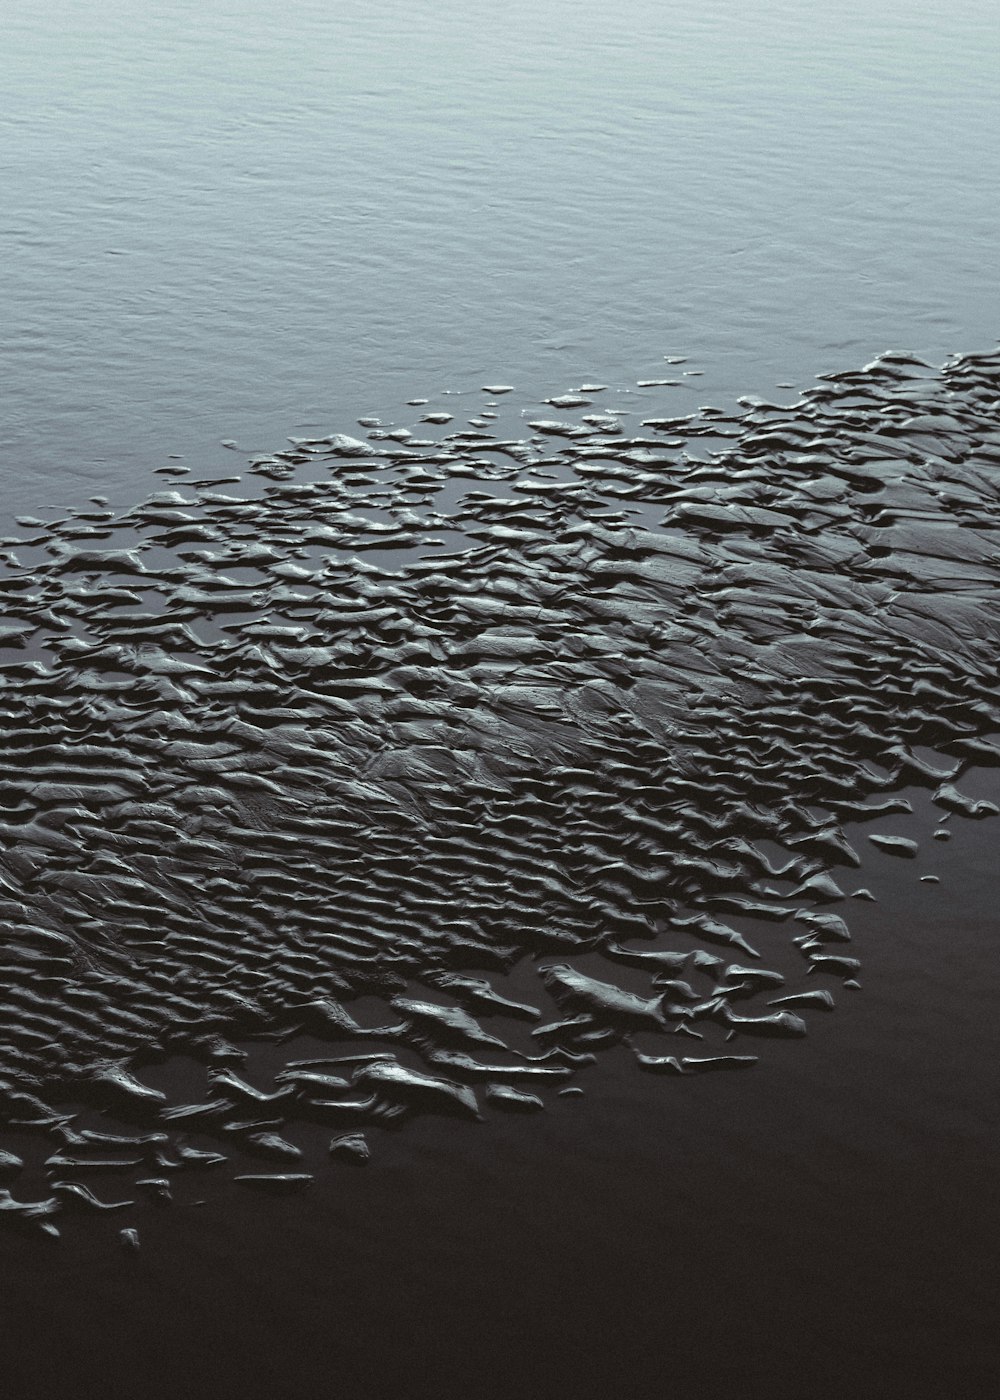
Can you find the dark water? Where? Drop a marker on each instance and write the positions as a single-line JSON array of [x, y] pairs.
[[830, 1225], [248, 222]]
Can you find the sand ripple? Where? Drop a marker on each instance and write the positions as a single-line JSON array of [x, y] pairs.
[[277, 767]]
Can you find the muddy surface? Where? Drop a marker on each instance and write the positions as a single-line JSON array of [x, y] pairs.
[[412, 771]]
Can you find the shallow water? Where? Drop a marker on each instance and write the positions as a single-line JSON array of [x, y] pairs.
[[242, 219], [831, 1229], [250, 222]]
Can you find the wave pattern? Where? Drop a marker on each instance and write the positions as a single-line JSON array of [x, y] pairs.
[[411, 724]]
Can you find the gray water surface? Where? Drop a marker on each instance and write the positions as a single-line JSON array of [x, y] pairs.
[[240, 219]]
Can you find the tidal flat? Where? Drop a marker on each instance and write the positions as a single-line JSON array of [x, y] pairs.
[[459, 789]]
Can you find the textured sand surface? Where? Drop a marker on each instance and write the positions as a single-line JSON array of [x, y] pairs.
[[470, 757]]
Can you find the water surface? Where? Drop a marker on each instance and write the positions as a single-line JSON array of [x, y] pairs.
[[235, 222], [240, 219]]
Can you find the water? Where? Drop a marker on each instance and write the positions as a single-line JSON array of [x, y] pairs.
[[229, 221], [828, 1226], [240, 219]]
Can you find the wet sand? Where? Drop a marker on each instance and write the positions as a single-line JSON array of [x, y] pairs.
[[315, 829], [827, 1224]]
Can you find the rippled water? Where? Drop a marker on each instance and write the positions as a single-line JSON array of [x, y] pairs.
[[239, 219], [233, 224]]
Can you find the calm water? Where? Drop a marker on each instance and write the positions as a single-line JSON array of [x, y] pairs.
[[238, 219], [235, 220]]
